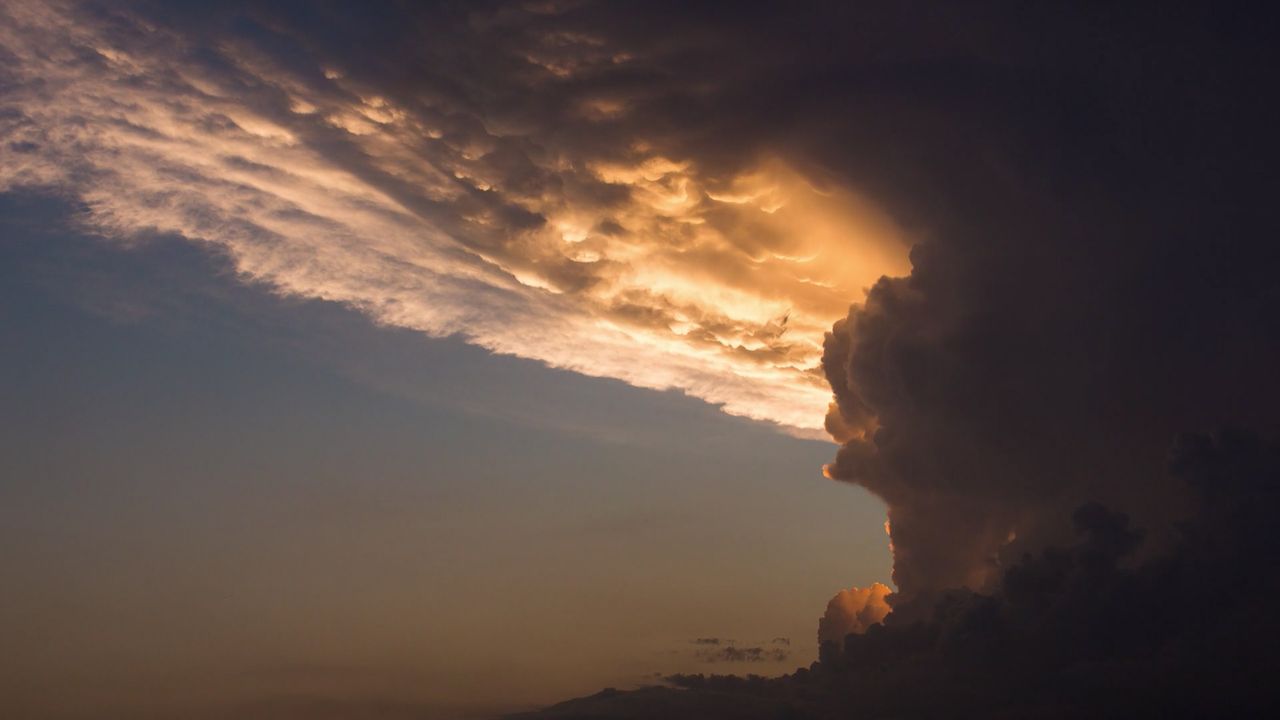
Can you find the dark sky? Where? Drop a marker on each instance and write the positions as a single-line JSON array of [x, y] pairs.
[[426, 359]]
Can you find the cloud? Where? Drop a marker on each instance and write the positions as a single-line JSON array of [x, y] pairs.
[[513, 187], [852, 612], [752, 654], [1060, 325], [1095, 275], [721, 650], [1094, 622]]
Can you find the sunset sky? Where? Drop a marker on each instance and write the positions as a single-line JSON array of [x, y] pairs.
[[326, 386], [447, 360]]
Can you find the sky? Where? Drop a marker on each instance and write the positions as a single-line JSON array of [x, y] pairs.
[[220, 500], [444, 360]]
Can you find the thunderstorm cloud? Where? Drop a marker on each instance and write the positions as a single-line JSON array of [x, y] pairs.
[[525, 190]]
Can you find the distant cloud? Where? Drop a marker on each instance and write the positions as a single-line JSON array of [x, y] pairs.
[[719, 650], [733, 654]]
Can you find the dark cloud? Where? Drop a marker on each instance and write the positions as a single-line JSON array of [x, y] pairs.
[[1089, 288], [1084, 626], [1095, 276], [722, 650], [1068, 314], [735, 654]]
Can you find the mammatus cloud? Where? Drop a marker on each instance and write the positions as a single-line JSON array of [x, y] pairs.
[[455, 203]]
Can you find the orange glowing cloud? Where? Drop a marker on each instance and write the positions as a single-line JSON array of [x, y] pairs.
[[852, 611], [636, 266]]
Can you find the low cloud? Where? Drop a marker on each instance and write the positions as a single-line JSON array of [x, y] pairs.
[[722, 650], [735, 654]]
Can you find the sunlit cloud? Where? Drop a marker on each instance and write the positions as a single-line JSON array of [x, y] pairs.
[[436, 217], [853, 611]]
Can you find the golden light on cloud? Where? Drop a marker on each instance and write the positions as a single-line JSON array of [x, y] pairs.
[[854, 610], [640, 267]]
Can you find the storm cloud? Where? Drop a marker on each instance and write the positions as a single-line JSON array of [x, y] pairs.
[[1069, 313], [512, 174], [1092, 284], [1014, 255]]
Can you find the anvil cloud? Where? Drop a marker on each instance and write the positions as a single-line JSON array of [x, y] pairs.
[[569, 232]]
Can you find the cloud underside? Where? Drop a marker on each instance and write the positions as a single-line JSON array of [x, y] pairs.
[[574, 237]]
